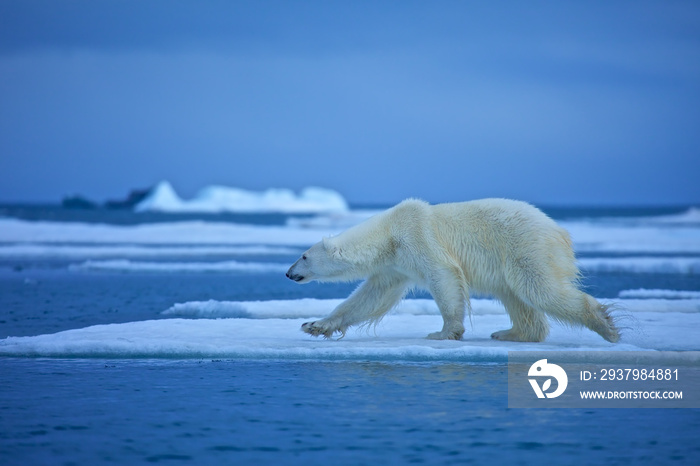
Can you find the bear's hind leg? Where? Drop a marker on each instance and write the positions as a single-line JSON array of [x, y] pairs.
[[553, 290], [583, 309], [569, 305], [529, 324]]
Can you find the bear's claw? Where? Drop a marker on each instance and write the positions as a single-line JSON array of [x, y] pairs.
[[319, 327], [445, 335], [308, 327], [314, 329], [512, 335]]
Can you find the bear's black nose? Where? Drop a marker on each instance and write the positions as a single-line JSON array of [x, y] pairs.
[[294, 277]]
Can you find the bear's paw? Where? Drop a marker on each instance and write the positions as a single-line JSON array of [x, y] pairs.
[[321, 327]]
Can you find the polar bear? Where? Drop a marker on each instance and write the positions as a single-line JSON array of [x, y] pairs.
[[505, 248]]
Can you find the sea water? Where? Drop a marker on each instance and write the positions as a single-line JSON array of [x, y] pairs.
[[140, 338]]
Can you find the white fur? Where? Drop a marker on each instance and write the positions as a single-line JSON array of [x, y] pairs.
[[501, 247]]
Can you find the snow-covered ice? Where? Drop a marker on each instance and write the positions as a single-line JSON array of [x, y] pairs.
[[271, 330]]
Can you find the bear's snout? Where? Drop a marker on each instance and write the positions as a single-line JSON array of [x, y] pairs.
[[294, 276]]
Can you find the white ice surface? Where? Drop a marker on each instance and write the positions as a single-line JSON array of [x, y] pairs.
[[216, 199], [400, 336]]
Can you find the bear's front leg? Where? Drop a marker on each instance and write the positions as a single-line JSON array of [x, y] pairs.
[[374, 298], [450, 293], [325, 327]]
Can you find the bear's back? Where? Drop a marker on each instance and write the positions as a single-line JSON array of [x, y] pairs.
[[496, 212], [491, 221], [496, 223]]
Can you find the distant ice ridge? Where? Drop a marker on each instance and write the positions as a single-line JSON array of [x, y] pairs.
[[662, 265], [59, 251], [126, 265], [336, 220], [656, 265], [270, 329], [663, 294], [217, 199], [689, 217], [588, 237], [192, 232], [592, 236]]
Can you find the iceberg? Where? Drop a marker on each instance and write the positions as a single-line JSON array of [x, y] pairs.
[[219, 199]]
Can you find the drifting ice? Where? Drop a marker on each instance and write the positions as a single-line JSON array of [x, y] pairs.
[[216, 199]]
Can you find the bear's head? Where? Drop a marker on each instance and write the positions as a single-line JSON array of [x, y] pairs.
[[352, 255], [323, 261]]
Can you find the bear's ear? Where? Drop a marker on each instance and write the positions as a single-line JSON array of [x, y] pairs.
[[332, 248]]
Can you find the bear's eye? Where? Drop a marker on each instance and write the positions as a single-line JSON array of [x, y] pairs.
[[303, 257]]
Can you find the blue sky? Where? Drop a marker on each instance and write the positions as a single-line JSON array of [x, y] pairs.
[[552, 102]]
